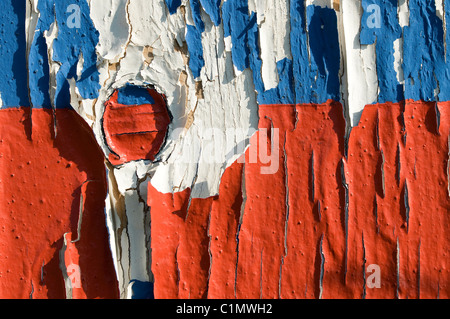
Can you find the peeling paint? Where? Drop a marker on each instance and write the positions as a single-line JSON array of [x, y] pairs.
[[224, 149]]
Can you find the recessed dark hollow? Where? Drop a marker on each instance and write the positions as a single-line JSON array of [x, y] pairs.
[[135, 124]]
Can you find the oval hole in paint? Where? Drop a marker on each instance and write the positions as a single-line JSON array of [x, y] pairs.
[[135, 123]]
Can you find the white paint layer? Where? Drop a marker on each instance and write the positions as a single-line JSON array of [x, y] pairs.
[[274, 28], [110, 19], [320, 3], [361, 71], [227, 100], [403, 13], [439, 9], [398, 60]]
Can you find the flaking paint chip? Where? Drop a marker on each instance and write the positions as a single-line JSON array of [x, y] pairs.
[[148, 55], [183, 78], [114, 67], [190, 120], [336, 5], [199, 90]]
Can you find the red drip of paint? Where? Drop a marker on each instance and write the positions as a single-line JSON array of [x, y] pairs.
[[187, 261], [135, 132]]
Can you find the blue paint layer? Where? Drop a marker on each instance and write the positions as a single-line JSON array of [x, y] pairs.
[[38, 66], [196, 15], [195, 48], [324, 56], [39, 76], [77, 37], [313, 75], [299, 49], [254, 59], [236, 23], [426, 61], [67, 48], [13, 67], [284, 92], [212, 8], [134, 95], [173, 5], [424, 64], [142, 290], [447, 25], [380, 25], [194, 39]]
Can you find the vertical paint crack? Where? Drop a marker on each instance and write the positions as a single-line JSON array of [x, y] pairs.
[[261, 276], [406, 206], [398, 270], [448, 166], [346, 213], [32, 290], [241, 219], [209, 251], [377, 130], [63, 268], [383, 184], [438, 118], [322, 267], [286, 222], [80, 211], [364, 268], [398, 164], [375, 211], [286, 183], [313, 187], [178, 279], [418, 269]]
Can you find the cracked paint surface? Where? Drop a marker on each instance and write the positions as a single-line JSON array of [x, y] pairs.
[[47, 184], [224, 149]]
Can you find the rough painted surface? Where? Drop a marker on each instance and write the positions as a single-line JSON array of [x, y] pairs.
[[13, 53], [318, 226], [51, 186], [224, 149]]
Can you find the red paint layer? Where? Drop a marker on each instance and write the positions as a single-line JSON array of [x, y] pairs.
[[179, 244], [135, 132], [399, 200], [41, 182], [311, 229], [223, 232], [194, 240], [72, 269], [290, 227]]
